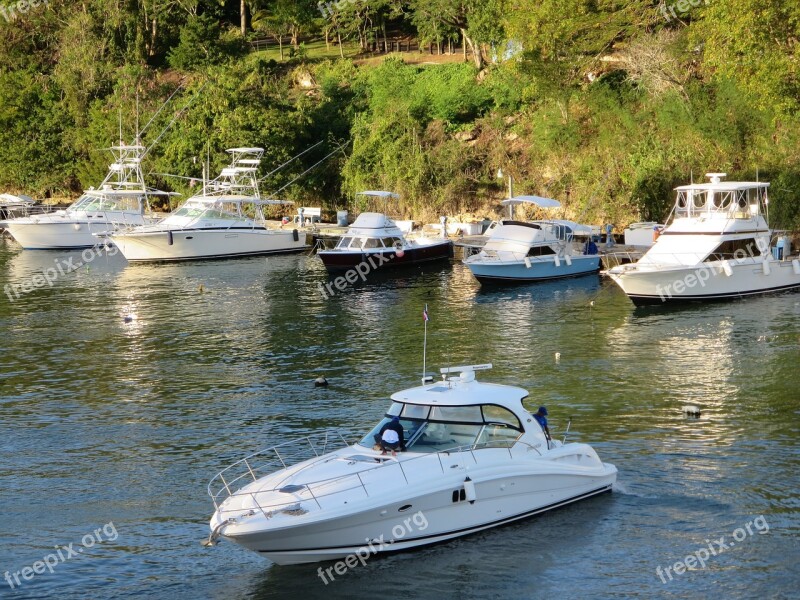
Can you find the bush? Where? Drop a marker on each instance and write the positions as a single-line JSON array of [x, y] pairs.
[[202, 43]]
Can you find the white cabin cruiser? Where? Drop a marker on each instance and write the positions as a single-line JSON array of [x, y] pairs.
[[474, 459], [375, 238], [225, 220], [715, 247], [519, 251], [122, 200]]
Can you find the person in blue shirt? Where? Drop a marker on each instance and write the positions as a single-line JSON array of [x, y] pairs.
[[541, 418]]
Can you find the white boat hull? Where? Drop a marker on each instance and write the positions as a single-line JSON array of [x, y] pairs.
[[52, 232], [709, 281], [193, 244], [392, 521]]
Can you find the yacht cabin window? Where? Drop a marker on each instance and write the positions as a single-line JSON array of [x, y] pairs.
[[373, 243], [438, 428], [735, 249]]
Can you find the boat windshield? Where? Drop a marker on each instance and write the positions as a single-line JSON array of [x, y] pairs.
[[87, 202], [202, 212], [436, 428]]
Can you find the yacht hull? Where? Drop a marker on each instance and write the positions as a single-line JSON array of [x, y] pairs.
[[335, 260], [540, 270], [195, 244], [712, 281], [59, 233], [394, 522]]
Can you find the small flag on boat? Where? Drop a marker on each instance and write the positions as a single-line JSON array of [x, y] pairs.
[[425, 313]]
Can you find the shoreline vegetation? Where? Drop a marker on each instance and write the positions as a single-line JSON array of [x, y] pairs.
[[603, 106]]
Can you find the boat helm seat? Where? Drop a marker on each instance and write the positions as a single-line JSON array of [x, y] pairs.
[[436, 432]]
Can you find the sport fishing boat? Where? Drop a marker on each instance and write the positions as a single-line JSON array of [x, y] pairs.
[[225, 220], [474, 459], [122, 200], [375, 239], [716, 246], [519, 251]]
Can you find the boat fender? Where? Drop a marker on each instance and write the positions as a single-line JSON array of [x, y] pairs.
[[726, 268], [169, 238], [469, 490], [796, 266], [568, 259], [527, 263], [766, 267], [558, 260], [295, 235]]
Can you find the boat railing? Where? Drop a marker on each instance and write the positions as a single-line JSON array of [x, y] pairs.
[[245, 471], [268, 460]]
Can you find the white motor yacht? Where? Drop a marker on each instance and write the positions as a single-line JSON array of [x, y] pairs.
[[473, 459], [225, 220], [374, 237], [519, 251], [122, 200], [716, 246]]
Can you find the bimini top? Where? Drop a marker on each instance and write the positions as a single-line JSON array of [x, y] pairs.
[[535, 200], [378, 194], [463, 390], [716, 184]]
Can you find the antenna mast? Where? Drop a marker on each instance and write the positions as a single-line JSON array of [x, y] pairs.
[[425, 345]]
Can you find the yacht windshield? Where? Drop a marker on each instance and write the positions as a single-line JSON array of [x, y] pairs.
[[437, 428], [203, 212], [87, 202]]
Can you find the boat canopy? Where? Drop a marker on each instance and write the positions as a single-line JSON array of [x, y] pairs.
[[463, 390], [535, 200], [370, 220], [11, 199], [236, 199], [514, 236]]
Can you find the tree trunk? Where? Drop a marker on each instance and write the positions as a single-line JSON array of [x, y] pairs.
[[327, 40], [153, 32], [280, 44], [295, 31], [476, 50], [339, 38], [384, 35], [243, 11]]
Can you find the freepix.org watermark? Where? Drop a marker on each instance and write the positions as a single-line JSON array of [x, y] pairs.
[[48, 277], [700, 275], [106, 533], [374, 262], [417, 522], [11, 11], [681, 6], [699, 558]]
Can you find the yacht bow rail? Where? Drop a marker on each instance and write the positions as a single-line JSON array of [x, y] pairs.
[[221, 487]]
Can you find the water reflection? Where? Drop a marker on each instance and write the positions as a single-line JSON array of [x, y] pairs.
[[109, 417]]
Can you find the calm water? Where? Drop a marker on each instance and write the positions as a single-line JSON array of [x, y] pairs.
[[108, 419]]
